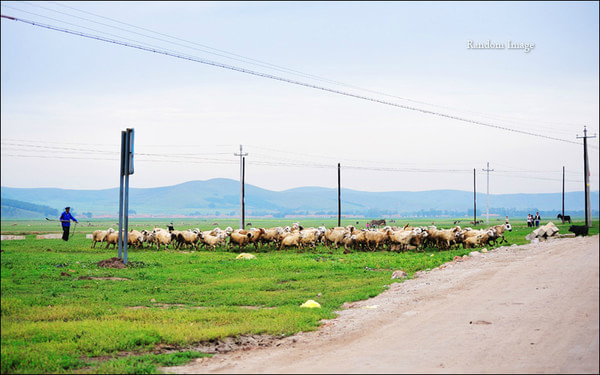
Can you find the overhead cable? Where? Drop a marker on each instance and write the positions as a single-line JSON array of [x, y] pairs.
[[277, 78]]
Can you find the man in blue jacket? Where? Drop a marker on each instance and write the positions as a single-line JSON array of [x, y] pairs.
[[65, 220]]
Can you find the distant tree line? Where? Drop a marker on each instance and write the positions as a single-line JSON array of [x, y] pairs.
[[10, 207]]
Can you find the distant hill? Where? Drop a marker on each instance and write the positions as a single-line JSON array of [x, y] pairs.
[[11, 209], [220, 197]]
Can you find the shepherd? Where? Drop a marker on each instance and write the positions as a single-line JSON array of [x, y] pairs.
[[65, 221]]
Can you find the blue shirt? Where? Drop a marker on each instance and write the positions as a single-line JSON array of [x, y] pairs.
[[65, 219]]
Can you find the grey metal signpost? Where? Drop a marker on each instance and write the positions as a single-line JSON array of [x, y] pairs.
[[126, 170]]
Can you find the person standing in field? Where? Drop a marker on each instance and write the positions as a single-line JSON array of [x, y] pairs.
[[65, 221], [537, 219]]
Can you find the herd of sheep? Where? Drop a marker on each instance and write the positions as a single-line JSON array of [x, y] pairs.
[[295, 236]]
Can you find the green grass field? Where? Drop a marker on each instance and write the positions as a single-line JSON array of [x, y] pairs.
[[60, 313]]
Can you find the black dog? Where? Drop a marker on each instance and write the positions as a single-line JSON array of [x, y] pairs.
[[579, 230], [564, 218]]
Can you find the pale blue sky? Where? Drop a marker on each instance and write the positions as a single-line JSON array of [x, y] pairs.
[[65, 98]]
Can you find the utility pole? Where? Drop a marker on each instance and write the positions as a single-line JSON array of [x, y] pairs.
[[339, 197], [241, 155], [563, 197], [586, 178], [474, 199], [243, 192], [487, 209]]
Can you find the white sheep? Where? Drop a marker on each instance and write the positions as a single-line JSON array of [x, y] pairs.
[[100, 236], [291, 239], [161, 237], [112, 238], [188, 238]]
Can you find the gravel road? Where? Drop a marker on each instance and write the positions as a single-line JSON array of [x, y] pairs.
[[518, 309]]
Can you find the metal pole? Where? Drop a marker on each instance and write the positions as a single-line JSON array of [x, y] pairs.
[[339, 197], [241, 154], [121, 178], [128, 171], [126, 214]]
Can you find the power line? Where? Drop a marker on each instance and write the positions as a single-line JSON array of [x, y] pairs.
[[277, 78], [280, 164], [68, 23], [243, 58], [183, 158], [283, 69], [287, 162]]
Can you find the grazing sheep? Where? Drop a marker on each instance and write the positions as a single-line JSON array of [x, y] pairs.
[[188, 238], [349, 241], [100, 236], [473, 241], [359, 240], [240, 237], [420, 238], [309, 237], [175, 237], [161, 237], [376, 238], [290, 239], [476, 238], [112, 238], [257, 233], [334, 236], [271, 235], [211, 241], [443, 238], [135, 238], [403, 238], [500, 229]]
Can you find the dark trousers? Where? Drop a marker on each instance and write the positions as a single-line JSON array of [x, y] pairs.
[[65, 233]]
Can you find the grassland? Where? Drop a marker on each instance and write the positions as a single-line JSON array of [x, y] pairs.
[[63, 314]]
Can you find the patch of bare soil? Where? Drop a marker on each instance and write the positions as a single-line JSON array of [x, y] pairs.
[[179, 305], [103, 278], [229, 344], [112, 263], [515, 309], [241, 343], [257, 308]]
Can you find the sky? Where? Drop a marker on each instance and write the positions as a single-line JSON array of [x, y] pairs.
[[406, 96]]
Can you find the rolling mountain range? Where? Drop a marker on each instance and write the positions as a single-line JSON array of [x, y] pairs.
[[220, 197]]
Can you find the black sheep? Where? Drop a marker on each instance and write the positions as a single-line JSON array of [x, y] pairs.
[[579, 230]]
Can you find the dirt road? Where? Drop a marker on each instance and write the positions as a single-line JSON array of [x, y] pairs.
[[519, 309]]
